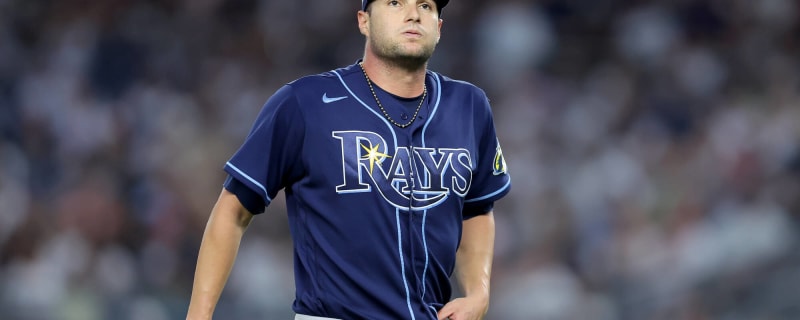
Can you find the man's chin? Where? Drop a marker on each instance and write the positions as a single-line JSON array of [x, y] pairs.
[[411, 62], [413, 58]]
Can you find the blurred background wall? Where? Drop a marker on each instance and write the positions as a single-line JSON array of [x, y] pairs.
[[654, 148]]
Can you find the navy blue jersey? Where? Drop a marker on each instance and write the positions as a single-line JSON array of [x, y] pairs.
[[375, 210]]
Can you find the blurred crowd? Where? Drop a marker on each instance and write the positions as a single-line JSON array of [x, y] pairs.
[[654, 148]]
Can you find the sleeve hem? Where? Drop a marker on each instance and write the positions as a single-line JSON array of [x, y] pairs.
[[248, 181], [249, 199], [494, 196], [472, 210]]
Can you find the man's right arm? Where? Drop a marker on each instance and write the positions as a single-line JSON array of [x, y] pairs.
[[220, 244]]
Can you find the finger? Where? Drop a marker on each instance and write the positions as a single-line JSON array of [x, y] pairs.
[[445, 313]]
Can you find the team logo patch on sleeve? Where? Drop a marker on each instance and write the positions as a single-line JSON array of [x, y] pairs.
[[499, 162]]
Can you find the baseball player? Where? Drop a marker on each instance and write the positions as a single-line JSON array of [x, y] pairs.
[[390, 173]]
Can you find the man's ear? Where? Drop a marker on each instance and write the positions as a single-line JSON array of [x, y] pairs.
[[363, 22], [440, 30]]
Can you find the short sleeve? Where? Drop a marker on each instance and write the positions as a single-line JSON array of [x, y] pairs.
[[252, 201], [490, 178], [474, 209], [268, 160]]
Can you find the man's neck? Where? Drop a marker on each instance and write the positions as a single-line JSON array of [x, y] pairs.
[[393, 78]]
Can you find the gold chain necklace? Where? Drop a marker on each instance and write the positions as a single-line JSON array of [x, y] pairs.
[[386, 114]]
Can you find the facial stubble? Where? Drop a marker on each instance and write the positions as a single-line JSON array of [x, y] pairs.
[[394, 52]]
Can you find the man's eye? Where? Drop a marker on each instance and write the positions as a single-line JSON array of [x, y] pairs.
[[394, 3], [426, 6]]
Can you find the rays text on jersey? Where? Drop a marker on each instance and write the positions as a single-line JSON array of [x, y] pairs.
[[413, 178]]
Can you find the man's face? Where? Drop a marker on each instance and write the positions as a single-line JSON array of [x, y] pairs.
[[402, 30]]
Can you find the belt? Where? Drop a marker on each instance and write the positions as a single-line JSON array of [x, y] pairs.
[[305, 317]]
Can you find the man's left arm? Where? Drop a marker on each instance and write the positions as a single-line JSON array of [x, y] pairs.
[[473, 269]]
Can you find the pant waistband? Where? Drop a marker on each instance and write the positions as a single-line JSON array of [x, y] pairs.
[[305, 317]]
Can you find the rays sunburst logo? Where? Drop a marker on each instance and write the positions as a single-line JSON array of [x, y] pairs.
[[499, 161]]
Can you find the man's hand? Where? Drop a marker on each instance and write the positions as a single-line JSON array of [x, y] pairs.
[[467, 308]]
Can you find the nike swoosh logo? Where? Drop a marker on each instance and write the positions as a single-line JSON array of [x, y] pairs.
[[325, 98]]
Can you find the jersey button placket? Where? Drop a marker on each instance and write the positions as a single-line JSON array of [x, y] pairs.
[[415, 135], [411, 178], [412, 241]]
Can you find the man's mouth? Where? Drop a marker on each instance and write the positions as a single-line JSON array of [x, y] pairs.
[[412, 33]]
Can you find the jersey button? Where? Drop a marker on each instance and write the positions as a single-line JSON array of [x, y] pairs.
[[404, 116]]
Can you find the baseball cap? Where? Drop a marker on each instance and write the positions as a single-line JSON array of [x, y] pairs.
[[439, 4]]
